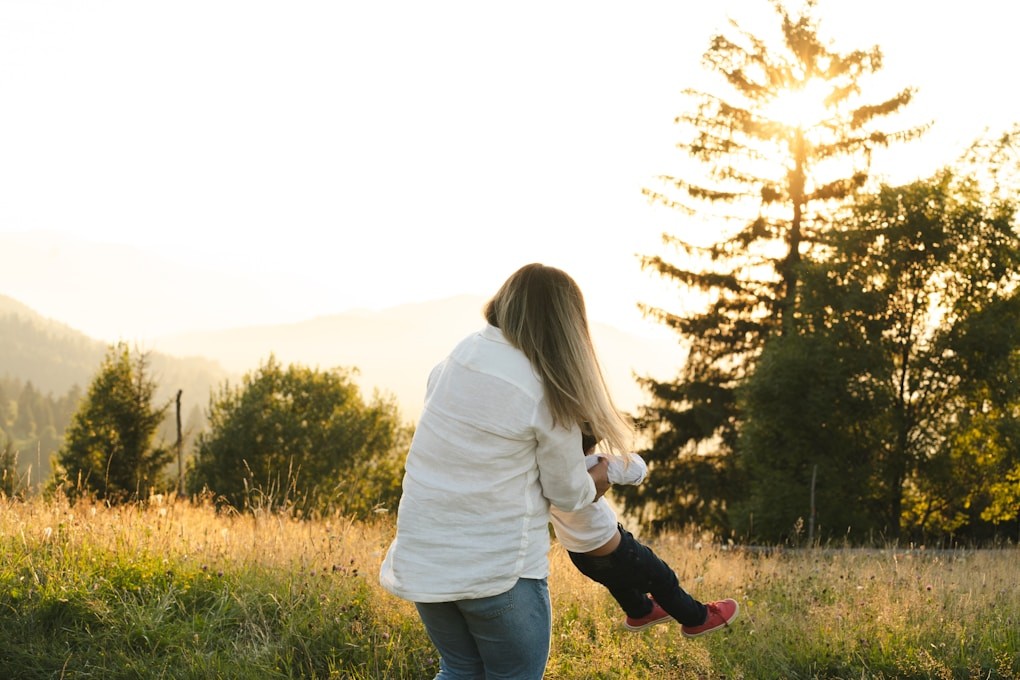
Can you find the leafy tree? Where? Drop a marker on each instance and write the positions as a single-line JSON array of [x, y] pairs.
[[896, 322], [778, 171], [300, 439], [805, 430], [970, 487], [108, 449]]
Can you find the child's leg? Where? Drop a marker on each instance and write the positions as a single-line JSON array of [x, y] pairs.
[[637, 567], [602, 570], [661, 581]]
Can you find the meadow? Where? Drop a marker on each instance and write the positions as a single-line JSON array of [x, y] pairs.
[[169, 589]]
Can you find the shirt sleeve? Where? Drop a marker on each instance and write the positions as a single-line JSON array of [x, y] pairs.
[[565, 481], [628, 468]]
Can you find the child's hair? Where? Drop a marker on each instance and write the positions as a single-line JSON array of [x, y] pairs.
[[588, 441], [541, 311]]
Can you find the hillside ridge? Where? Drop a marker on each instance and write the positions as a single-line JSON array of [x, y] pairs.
[[391, 351]]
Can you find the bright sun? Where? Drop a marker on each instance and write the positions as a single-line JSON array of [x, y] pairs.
[[803, 107]]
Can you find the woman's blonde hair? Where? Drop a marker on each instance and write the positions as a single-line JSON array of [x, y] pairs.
[[541, 311]]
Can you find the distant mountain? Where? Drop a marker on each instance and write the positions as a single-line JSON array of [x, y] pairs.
[[394, 349], [55, 357]]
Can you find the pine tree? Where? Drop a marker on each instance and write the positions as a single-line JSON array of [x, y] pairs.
[[788, 143], [108, 448], [12, 483]]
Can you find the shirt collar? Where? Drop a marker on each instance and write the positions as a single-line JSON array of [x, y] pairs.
[[490, 332]]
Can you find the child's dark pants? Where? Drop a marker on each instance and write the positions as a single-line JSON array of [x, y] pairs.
[[633, 571]]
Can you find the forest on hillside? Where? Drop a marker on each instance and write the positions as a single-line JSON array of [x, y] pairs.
[[32, 427], [45, 368]]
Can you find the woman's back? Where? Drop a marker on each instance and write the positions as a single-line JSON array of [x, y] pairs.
[[473, 515]]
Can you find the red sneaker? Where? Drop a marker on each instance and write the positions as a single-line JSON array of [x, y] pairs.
[[720, 614], [657, 615]]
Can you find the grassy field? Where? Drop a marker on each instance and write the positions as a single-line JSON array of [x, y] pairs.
[[172, 590]]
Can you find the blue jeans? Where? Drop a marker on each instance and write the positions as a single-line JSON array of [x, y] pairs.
[[631, 572], [504, 637]]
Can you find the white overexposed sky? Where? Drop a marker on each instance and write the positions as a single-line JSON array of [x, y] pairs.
[[172, 166]]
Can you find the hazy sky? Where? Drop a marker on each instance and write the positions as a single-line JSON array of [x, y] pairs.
[[251, 161]]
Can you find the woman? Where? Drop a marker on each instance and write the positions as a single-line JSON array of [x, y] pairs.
[[497, 444]]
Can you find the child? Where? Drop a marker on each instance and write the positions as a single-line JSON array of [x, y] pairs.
[[605, 552]]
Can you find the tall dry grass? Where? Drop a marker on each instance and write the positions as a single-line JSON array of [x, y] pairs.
[[168, 589]]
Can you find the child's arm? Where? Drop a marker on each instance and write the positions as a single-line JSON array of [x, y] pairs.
[[628, 468]]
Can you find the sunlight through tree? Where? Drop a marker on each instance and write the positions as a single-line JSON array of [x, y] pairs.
[[787, 144]]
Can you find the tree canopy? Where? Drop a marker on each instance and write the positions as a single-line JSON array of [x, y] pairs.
[[887, 387], [302, 439]]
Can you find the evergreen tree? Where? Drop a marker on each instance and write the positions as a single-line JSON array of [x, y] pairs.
[[12, 483], [109, 449], [26, 423], [6, 418], [789, 142]]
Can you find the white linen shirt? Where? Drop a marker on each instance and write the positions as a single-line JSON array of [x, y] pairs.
[[595, 524], [483, 468]]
